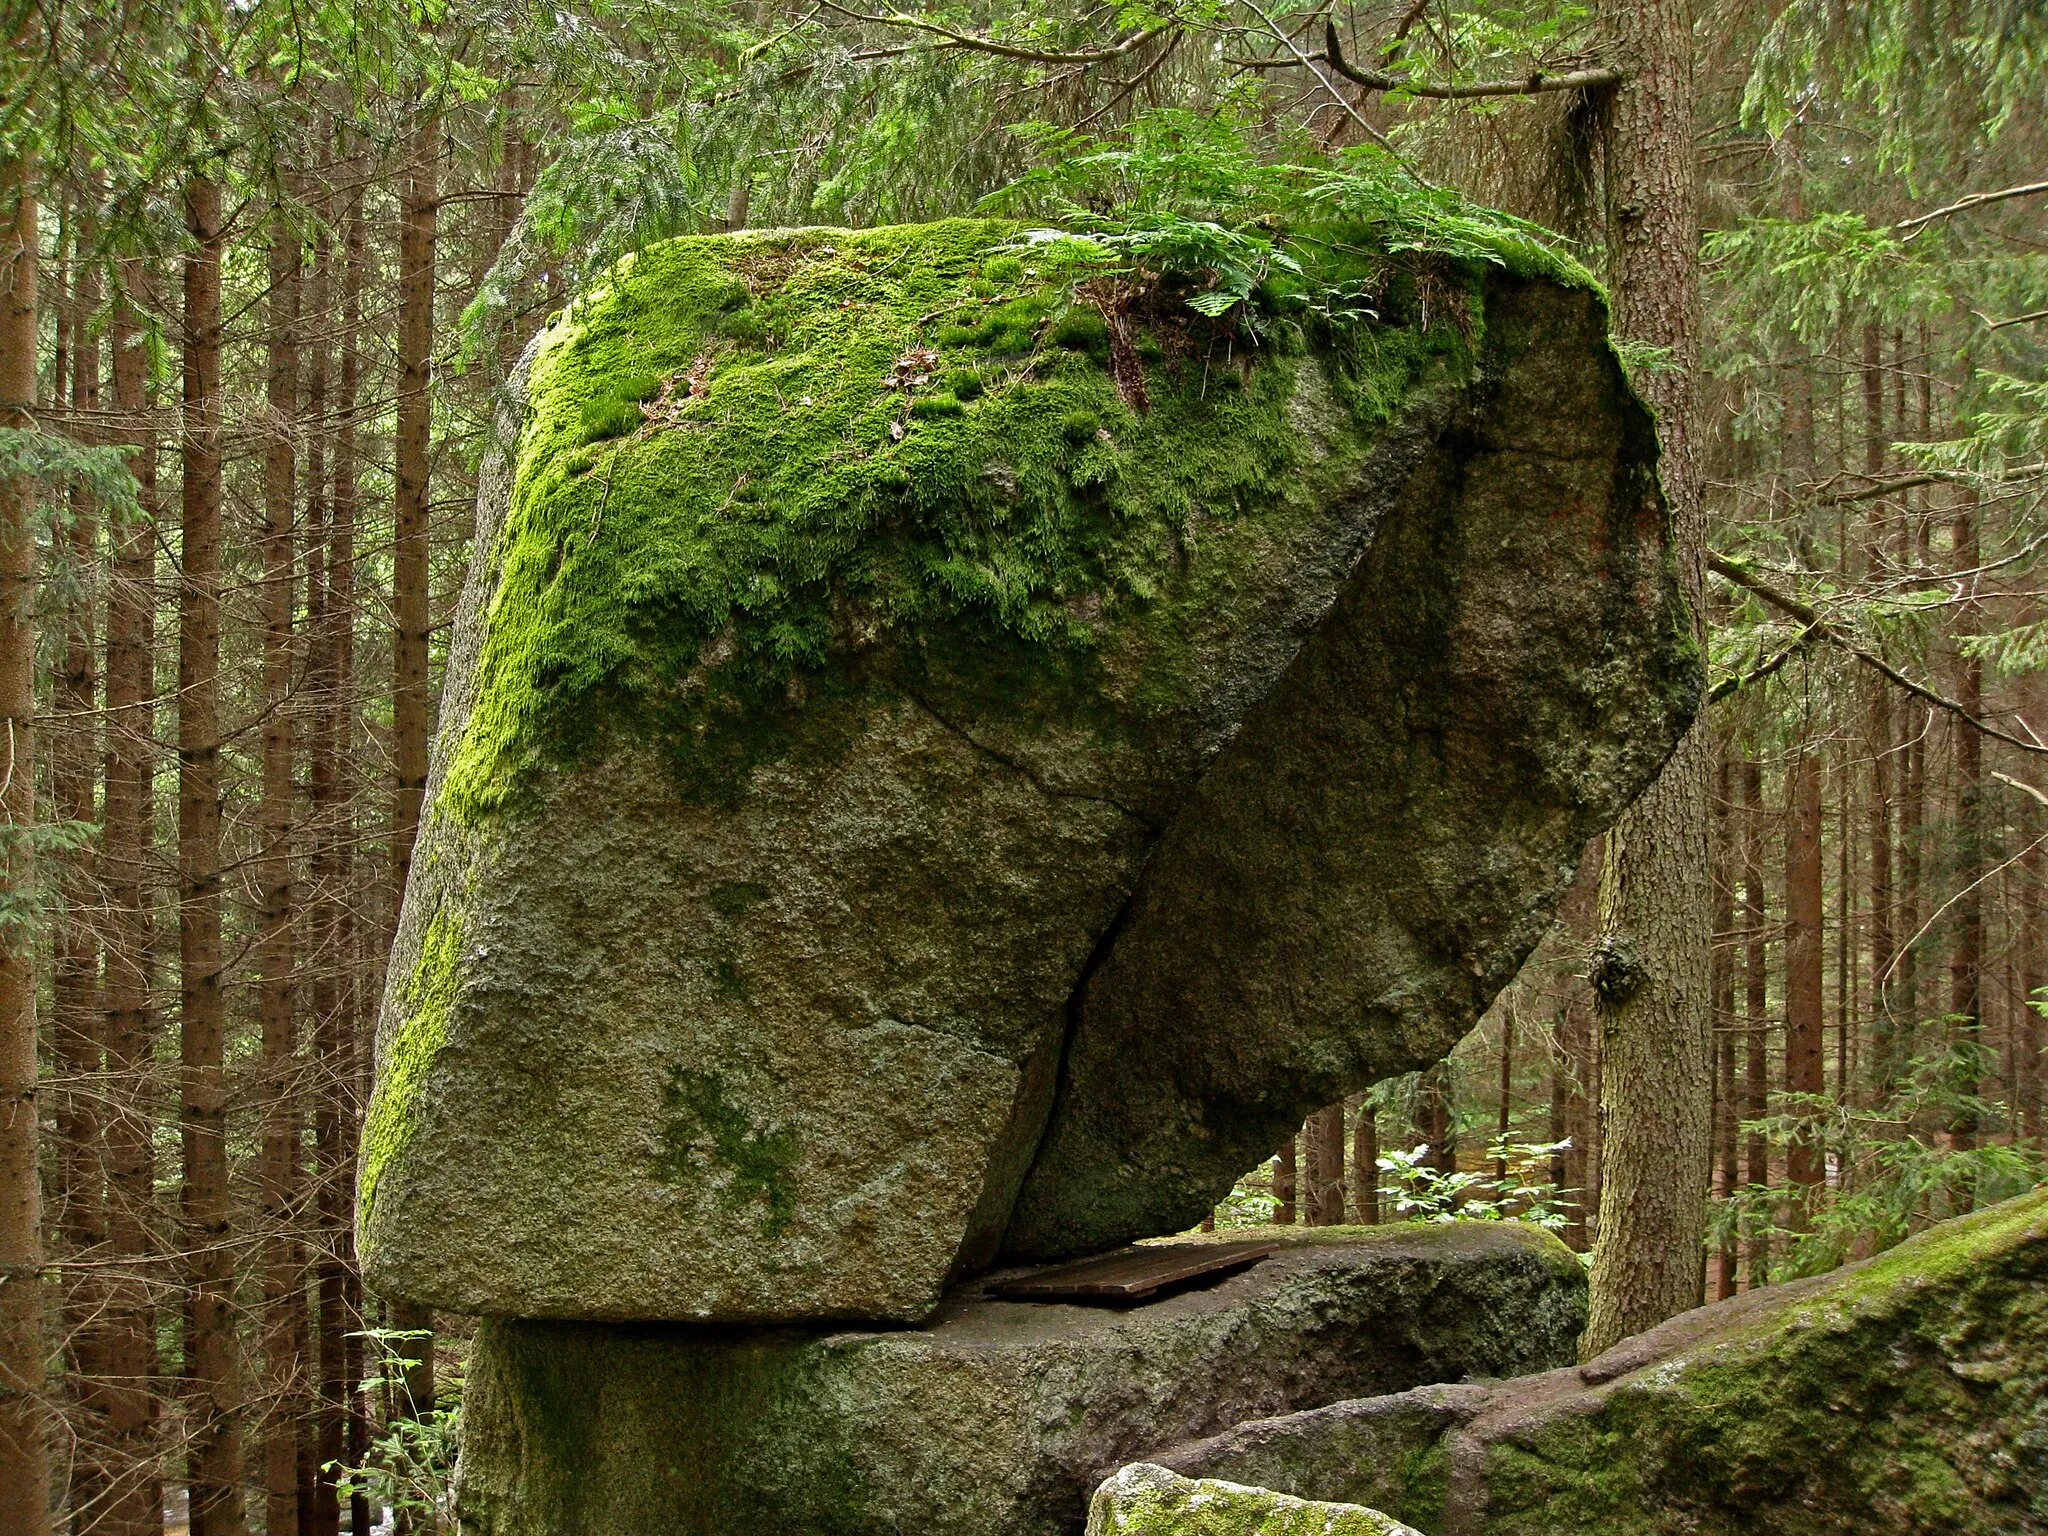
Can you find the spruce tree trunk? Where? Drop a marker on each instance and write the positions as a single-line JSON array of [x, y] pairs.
[[24, 1446], [1728, 1109], [341, 1050], [1365, 1164], [74, 991], [418, 214], [1284, 1171], [1651, 967], [1324, 1136], [1966, 960], [275, 915], [1804, 1019], [1756, 1078], [135, 1497], [214, 1454]]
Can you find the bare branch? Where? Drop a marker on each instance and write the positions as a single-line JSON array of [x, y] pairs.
[[1537, 82], [1974, 200], [989, 45]]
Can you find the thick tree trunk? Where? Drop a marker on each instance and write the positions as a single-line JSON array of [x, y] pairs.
[[1505, 1107], [214, 1455], [1756, 1099], [1882, 1074], [275, 963], [24, 1445], [134, 1498], [1805, 1023], [1652, 964]]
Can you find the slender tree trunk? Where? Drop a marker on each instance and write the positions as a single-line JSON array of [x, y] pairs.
[[24, 1446], [274, 957], [1433, 1118], [418, 215], [1325, 1141], [1504, 1110], [1652, 966], [75, 1000], [1284, 1170], [1365, 1163], [2033, 963], [214, 1456], [1756, 1013], [1912, 825], [1966, 962], [1728, 1110], [341, 1050], [1805, 1022], [135, 1497]]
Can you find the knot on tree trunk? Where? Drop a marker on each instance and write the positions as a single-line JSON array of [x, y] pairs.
[[1616, 970]]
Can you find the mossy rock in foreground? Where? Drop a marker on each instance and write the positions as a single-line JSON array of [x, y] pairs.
[[1144, 1500], [994, 1418], [882, 670], [1905, 1394]]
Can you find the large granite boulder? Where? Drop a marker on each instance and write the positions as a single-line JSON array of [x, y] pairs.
[[1142, 1500], [918, 730], [1905, 1394], [995, 1418]]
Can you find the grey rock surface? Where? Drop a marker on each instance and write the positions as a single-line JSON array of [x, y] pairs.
[[974, 918], [1143, 1500], [995, 1418]]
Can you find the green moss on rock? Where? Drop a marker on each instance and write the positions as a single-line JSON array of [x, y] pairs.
[[429, 991], [746, 456]]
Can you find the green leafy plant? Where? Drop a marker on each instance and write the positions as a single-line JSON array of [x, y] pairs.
[[411, 1468], [1421, 1193]]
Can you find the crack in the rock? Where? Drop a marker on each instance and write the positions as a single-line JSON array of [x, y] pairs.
[[1025, 772]]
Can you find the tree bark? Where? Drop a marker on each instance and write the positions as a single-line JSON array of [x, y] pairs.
[[275, 961], [134, 1501], [214, 1455], [24, 1446], [1655, 1006]]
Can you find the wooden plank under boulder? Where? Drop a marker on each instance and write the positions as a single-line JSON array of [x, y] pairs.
[[1132, 1274]]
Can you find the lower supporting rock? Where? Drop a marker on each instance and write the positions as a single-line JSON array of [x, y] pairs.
[[1906, 1394], [996, 1418]]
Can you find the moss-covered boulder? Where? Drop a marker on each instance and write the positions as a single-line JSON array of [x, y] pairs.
[[873, 637], [1905, 1394], [1143, 1500], [995, 1418]]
